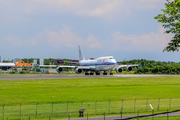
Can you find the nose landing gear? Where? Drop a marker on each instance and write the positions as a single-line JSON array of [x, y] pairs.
[[105, 73]]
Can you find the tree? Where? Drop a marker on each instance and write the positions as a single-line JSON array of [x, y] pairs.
[[171, 22]]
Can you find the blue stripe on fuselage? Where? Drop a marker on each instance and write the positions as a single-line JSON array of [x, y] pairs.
[[100, 63]]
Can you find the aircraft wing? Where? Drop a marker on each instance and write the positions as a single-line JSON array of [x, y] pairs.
[[127, 65], [86, 67], [47, 65], [60, 68], [67, 66], [82, 67]]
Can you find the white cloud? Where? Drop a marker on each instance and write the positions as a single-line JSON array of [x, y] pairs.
[[93, 42], [93, 8], [145, 42], [67, 38], [63, 38]]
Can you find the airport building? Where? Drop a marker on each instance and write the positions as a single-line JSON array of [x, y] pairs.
[[6, 66], [18, 60]]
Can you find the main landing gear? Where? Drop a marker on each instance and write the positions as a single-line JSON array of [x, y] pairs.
[[91, 73], [98, 73], [105, 73]]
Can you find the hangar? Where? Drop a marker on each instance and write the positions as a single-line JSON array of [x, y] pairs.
[[6, 66]]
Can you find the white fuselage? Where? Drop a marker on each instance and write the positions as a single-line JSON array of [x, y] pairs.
[[101, 63]]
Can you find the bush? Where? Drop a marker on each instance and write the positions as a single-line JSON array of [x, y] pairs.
[[24, 68], [22, 72], [12, 72]]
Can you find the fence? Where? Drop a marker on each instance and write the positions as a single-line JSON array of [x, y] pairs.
[[69, 109]]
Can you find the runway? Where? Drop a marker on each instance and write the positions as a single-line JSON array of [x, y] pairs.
[[123, 117], [32, 77]]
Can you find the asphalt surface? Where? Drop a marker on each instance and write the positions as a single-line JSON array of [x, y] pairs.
[[123, 117], [31, 77]]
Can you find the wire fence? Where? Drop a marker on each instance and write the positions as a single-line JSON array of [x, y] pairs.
[[96, 108]]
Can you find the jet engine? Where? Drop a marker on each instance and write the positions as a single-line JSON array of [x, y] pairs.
[[119, 70], [79, 70], [59, 69], [129, 68]]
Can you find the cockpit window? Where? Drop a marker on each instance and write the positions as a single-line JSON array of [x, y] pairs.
[[92, 59], [111, 58]]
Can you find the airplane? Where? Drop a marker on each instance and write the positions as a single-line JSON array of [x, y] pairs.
[[91, 66]]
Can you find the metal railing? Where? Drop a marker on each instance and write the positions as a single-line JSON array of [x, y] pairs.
[[69, 109]]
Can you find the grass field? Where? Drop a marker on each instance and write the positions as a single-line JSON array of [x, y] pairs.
[[29, 92]]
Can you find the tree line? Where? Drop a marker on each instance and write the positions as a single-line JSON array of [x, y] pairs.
[[145, 66], [154, 67], [49, 61]]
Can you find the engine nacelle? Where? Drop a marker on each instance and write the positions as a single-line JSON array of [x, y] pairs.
[[59, 69], [129, 68], [79, 70], [119, 70]]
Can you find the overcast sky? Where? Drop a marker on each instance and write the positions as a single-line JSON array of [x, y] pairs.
[[125, 29]]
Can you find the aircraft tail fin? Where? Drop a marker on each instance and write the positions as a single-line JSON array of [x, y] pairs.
[[81, 56]]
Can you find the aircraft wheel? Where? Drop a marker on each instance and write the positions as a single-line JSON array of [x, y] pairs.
[[104, 73], [86, 73], [91, 73], [97, 73], [111, 73]]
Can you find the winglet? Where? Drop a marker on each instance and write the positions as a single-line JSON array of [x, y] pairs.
[[81, 56]]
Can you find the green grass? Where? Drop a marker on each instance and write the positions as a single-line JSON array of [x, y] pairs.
[[29, 92], [13, 92]]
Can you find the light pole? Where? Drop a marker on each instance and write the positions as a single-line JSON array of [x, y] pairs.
[[109, 105], [36, 109], [20, 111], [3, 111], [158, 103], [96, 107], [147, 105], [135, 105], [170, 103], [122, 106]]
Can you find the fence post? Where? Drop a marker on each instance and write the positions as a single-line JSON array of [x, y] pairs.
[[52, 109], [147, 105], [153, 114], [135, 105], [67, 108], [158, 104], [122, 106], [87, 116], [3, 111], [121, 112], [170, 103], [82, 104], [96, 107], [36, 109], [20, 111], [167, 115], [104, 116], [68, 117], [49, 117], [109, 105]]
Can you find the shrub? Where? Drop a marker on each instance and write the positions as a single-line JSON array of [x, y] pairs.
[[12, 72], [22, 72]]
